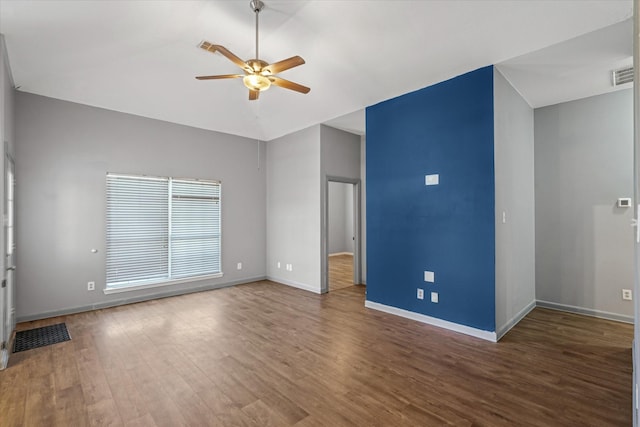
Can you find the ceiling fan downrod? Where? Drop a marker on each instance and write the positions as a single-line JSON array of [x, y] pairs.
[[256, 6]]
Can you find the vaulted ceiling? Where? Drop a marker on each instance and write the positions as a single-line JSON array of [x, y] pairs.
[[140, 57]]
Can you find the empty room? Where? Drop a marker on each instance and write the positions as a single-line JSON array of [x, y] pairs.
[[319, 213]]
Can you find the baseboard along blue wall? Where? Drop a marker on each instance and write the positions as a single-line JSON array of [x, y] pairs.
[[444, 129]]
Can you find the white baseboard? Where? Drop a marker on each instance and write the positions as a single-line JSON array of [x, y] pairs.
[[294, 284], [4, 358], [586, 311], [133, 299], [341, 253], [478, 333], [515, 319]]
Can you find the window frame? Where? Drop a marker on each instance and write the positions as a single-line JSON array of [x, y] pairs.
[[134, 285]]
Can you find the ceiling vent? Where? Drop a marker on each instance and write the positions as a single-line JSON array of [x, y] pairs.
[[623, 76]]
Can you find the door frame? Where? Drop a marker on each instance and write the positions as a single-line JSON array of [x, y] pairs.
[[7, 311], [324, 240], [636, 198]]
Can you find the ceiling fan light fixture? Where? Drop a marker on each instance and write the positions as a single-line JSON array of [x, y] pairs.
[[256, 82], [258, 75]]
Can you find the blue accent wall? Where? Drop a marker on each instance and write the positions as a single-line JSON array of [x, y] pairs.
[[444, 129]]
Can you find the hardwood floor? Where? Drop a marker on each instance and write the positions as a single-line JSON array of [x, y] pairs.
[[340, 272], [265, 354]]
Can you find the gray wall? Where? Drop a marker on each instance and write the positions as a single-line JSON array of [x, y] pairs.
[[8, 100], [340, 153], [297, 167], [7, 130], [340, 217], [514, 192], [293, 209], [66, 149], [584, 243]]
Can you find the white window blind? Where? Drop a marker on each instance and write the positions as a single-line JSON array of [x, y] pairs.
[[195, 228], [161, 229]]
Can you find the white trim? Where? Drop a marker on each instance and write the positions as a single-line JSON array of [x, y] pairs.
[[324, 229], [128, 288], [139, 298], [586, 311], [341, 253], [478, 333], [515, 319], [294, 284], [4, 358]]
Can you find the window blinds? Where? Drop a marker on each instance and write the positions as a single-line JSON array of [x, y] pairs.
[[159, 229], [195, 228]]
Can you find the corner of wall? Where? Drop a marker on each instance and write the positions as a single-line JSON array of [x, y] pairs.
[[584, 245], [293, 209], [514, 205]]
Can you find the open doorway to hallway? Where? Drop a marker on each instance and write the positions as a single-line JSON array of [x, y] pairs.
[[342, 234], [340, 271]]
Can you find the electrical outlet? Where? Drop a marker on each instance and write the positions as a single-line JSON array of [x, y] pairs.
[[434, 297], [278, 264], [239, 266], [420, 293], [91, 286], [626, 295]]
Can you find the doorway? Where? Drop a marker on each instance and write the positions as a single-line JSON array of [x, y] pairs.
[[341, 237], [341, 234]]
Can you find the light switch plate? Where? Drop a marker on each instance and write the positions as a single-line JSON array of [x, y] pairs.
[[432, 179], [429, 276], [434, 297], [624, 202]]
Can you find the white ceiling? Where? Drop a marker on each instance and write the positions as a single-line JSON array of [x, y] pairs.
[[572, 69], [140, 57]]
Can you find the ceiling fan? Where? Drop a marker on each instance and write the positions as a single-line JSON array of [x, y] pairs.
[[258, 75]]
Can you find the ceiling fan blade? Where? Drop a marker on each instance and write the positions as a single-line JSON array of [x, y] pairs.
[[285, 64], [253, 95], [288, 84], [221, 76], [213, 48]]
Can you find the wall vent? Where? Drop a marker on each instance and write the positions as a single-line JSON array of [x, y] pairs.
[[623, 76]]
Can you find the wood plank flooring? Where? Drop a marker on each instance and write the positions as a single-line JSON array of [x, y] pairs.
[[340, 272], [264, 354]]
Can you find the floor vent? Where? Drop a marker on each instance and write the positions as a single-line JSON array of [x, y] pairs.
[[40, 337], [623, 76]]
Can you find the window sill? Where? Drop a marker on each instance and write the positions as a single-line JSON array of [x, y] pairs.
[[124, 288]]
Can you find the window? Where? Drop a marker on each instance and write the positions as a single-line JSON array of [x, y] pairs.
[[161, 230]]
